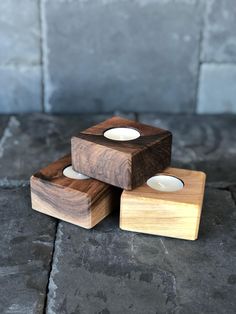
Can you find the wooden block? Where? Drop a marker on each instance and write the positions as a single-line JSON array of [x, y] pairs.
[[80, 202], [172, 214], [123, 163]]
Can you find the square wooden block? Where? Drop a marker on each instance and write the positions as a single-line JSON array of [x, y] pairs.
[[173, 214], [129, 154], [83, 202]]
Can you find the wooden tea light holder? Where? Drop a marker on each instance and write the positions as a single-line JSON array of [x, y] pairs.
[[168, 204], [59, 191], [121, 152]]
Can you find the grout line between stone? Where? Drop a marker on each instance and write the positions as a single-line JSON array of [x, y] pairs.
[[201, 38], [51, 267], [42, 55], [16, 65], [218, 63]]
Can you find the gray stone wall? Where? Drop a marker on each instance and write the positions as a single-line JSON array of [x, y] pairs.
[[118, 55]]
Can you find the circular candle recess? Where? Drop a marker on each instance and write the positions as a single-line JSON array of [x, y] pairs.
[[72, 174], [165, 183], [121, 134]]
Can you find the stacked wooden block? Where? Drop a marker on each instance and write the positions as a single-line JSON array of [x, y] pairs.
[[126, 163]]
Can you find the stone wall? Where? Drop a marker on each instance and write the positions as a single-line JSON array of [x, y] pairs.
[[118, 55]]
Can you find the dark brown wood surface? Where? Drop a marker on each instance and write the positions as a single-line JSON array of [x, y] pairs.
[[125, 164], [81, 202]]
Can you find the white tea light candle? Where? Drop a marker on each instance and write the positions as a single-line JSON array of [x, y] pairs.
[[121, 134], [69, 172], [165, 183]]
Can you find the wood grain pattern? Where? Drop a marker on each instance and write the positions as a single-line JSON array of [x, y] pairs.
[[172, 214], [81, 202], [125, 164]]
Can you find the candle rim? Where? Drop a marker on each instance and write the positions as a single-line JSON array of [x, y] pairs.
[[166, 175], [122, 127], [84, 177]]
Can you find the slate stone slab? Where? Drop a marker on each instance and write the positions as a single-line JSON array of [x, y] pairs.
[[106, 270], [26, 247], [126, 55], [219, 37], [205, 269], [3, 124], [19, 32], [97, 271], [232, 189], [21, 89], [217, 87], [30, 142], [206, 143]]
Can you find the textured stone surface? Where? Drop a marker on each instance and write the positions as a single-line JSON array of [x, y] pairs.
[[219, 37], [111, 271], [30, 142], [3, 123], [198, 137], [19, 32], [20, 89], [217, 87], [26, 247], [232, 189], [126, 55], [206, 143], [99, 56], [106, 270]]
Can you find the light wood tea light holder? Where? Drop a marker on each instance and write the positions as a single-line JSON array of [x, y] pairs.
[[168, 204], [121, 152], [59, 191]]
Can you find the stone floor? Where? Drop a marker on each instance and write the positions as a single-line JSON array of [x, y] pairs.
[[49, 266]]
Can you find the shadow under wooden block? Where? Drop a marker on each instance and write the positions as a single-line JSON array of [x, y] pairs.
[[118, 160], [171, 214], [81, 202]]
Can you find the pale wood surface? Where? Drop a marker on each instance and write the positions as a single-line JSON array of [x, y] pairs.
[[173, 214]]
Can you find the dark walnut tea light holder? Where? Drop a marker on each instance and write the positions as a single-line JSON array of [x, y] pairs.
[[121, 152], [58, 191]]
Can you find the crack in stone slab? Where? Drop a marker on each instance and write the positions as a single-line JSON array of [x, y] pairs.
[[51, 286], [230, 189], [227, 188]]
